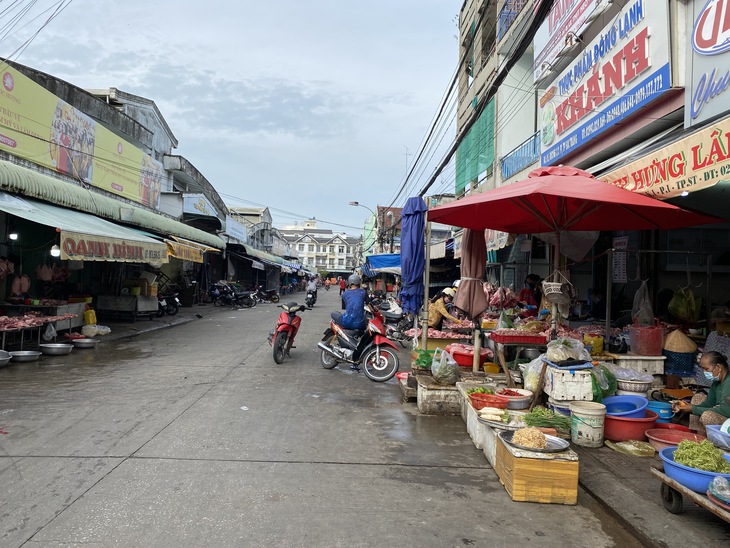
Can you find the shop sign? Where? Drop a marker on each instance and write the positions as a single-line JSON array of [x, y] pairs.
[[457, 246], [708, 65], [554, 35], [622, 70], [495, 239], [198, 204], [184, 252], [698, 161], [40, 127], [236, 229], [85, 247]]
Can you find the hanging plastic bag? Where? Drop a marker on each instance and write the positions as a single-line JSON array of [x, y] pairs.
[[642, 311], [504, 321], [444, 368], [633, 448], [50, 333], [685, 306]]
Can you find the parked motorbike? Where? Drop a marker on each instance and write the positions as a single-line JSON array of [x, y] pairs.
[[310, 299], [396, 323], [287, 326], [225, 295], [370, 348], [266, 295], [167, 304]]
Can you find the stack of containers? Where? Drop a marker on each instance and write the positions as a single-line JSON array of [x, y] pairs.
[[681, 353]]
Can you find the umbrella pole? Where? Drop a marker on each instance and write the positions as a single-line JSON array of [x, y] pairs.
[[554, 308], [476, 364], [426, 282]]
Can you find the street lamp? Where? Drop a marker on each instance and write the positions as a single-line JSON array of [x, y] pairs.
[[375, 219]]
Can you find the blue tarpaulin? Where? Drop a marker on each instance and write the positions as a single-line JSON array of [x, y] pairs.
[[388, 263]]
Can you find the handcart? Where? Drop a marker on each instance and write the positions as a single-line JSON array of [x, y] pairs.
[[673, 491]]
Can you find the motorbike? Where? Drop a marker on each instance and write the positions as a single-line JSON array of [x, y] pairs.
[[310, 299], [225, 295], [287, 325], [396, 323], [167, 304], [266, 295], [370, 348]]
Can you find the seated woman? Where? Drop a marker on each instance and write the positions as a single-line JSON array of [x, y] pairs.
[[437, 309], [713, 408]]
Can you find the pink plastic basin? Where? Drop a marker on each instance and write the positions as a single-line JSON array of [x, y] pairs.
[[623, 429], [661, 438]]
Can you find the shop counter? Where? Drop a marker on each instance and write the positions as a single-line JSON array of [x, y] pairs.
[[133, 305]]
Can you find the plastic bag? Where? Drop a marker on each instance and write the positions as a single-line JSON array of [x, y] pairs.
[[504, 322], [684, 305], [50, 333], [642, 310], [720, 488], [633, 448], [103, 330], [628, 374], [566, 348], [444, 368], [89, 330], [531, 373]]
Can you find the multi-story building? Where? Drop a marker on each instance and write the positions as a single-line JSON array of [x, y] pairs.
[[321, 249]]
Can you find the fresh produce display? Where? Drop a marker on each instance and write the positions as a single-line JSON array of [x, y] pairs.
[[480, 390], [702, 455], [542, 417], [494, 414], [530, 437], [510, 393], [436, 334]]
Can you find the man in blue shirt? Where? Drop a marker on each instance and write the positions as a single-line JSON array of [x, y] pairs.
[[354, 300]]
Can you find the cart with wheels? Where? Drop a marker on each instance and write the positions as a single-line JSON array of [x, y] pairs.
[[672, 493]]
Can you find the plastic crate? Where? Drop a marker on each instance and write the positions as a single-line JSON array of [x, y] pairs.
[[564, 385], [679, 363], [518, 339]]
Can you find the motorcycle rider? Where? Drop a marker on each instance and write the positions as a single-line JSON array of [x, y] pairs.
[[354, 301], [312, 286]]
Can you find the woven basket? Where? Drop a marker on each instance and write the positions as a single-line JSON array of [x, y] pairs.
[[478, 401], [556, 292]]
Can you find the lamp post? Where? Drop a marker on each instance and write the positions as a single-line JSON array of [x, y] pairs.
[[375, 217]]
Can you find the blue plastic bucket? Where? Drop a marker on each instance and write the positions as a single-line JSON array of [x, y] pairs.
[[628, 407], [664, 410]]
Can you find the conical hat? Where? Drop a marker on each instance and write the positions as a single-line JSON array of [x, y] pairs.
[[677, 341]]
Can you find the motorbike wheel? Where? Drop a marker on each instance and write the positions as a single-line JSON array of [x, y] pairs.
[[160, 311], [217, 301], [280, 344], [248, 302], [380, 364], [328, 360], [275, 298], [171, 308]]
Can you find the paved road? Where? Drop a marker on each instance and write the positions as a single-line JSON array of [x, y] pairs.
[[192, 436]]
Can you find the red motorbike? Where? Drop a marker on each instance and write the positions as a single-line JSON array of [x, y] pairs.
[[282, 337], [370, 348]]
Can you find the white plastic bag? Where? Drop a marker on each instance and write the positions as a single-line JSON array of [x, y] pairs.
[[444, 368], [642, 310], [50, 333], [103, 330], [89, 330], [531, 373]]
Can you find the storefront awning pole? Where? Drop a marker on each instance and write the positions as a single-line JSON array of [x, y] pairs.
[[609, 288], [426, 282]]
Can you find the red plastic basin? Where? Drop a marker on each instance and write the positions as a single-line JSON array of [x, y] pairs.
[[672, 426], [661, 438], [623, 429]]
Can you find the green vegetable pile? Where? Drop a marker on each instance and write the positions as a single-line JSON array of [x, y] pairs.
[[480, 390], [544, 418], [703, 456], [423, 360]]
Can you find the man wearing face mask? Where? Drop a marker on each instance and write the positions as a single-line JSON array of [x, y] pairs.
[[715, 407]]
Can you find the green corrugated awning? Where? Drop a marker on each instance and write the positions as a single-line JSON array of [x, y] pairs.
[[29, 183], [273, 260], [84, 237]]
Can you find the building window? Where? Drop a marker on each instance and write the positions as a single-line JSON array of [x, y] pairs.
[[311, 248], [301, 247], [340, 262], [341, 249], [332, 249]]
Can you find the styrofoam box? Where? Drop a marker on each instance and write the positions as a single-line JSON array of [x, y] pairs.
[[653, 365], [562, 385]]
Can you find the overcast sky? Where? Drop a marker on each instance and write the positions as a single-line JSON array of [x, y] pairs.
[[299, 105]]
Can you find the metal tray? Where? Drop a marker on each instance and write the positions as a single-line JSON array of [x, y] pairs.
[[554, 444], [500, 425], [25, 355], [85, 343]]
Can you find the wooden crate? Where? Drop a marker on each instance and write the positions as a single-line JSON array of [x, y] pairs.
[[546, 479]]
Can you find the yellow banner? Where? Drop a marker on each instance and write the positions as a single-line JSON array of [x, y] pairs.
[[85, 247], [184, 252], [696, 162], [41, 128]]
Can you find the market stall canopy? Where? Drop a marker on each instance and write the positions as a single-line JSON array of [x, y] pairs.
[[85, 237], [388, 263], [414, 254], [187, 250], [563, 198]]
